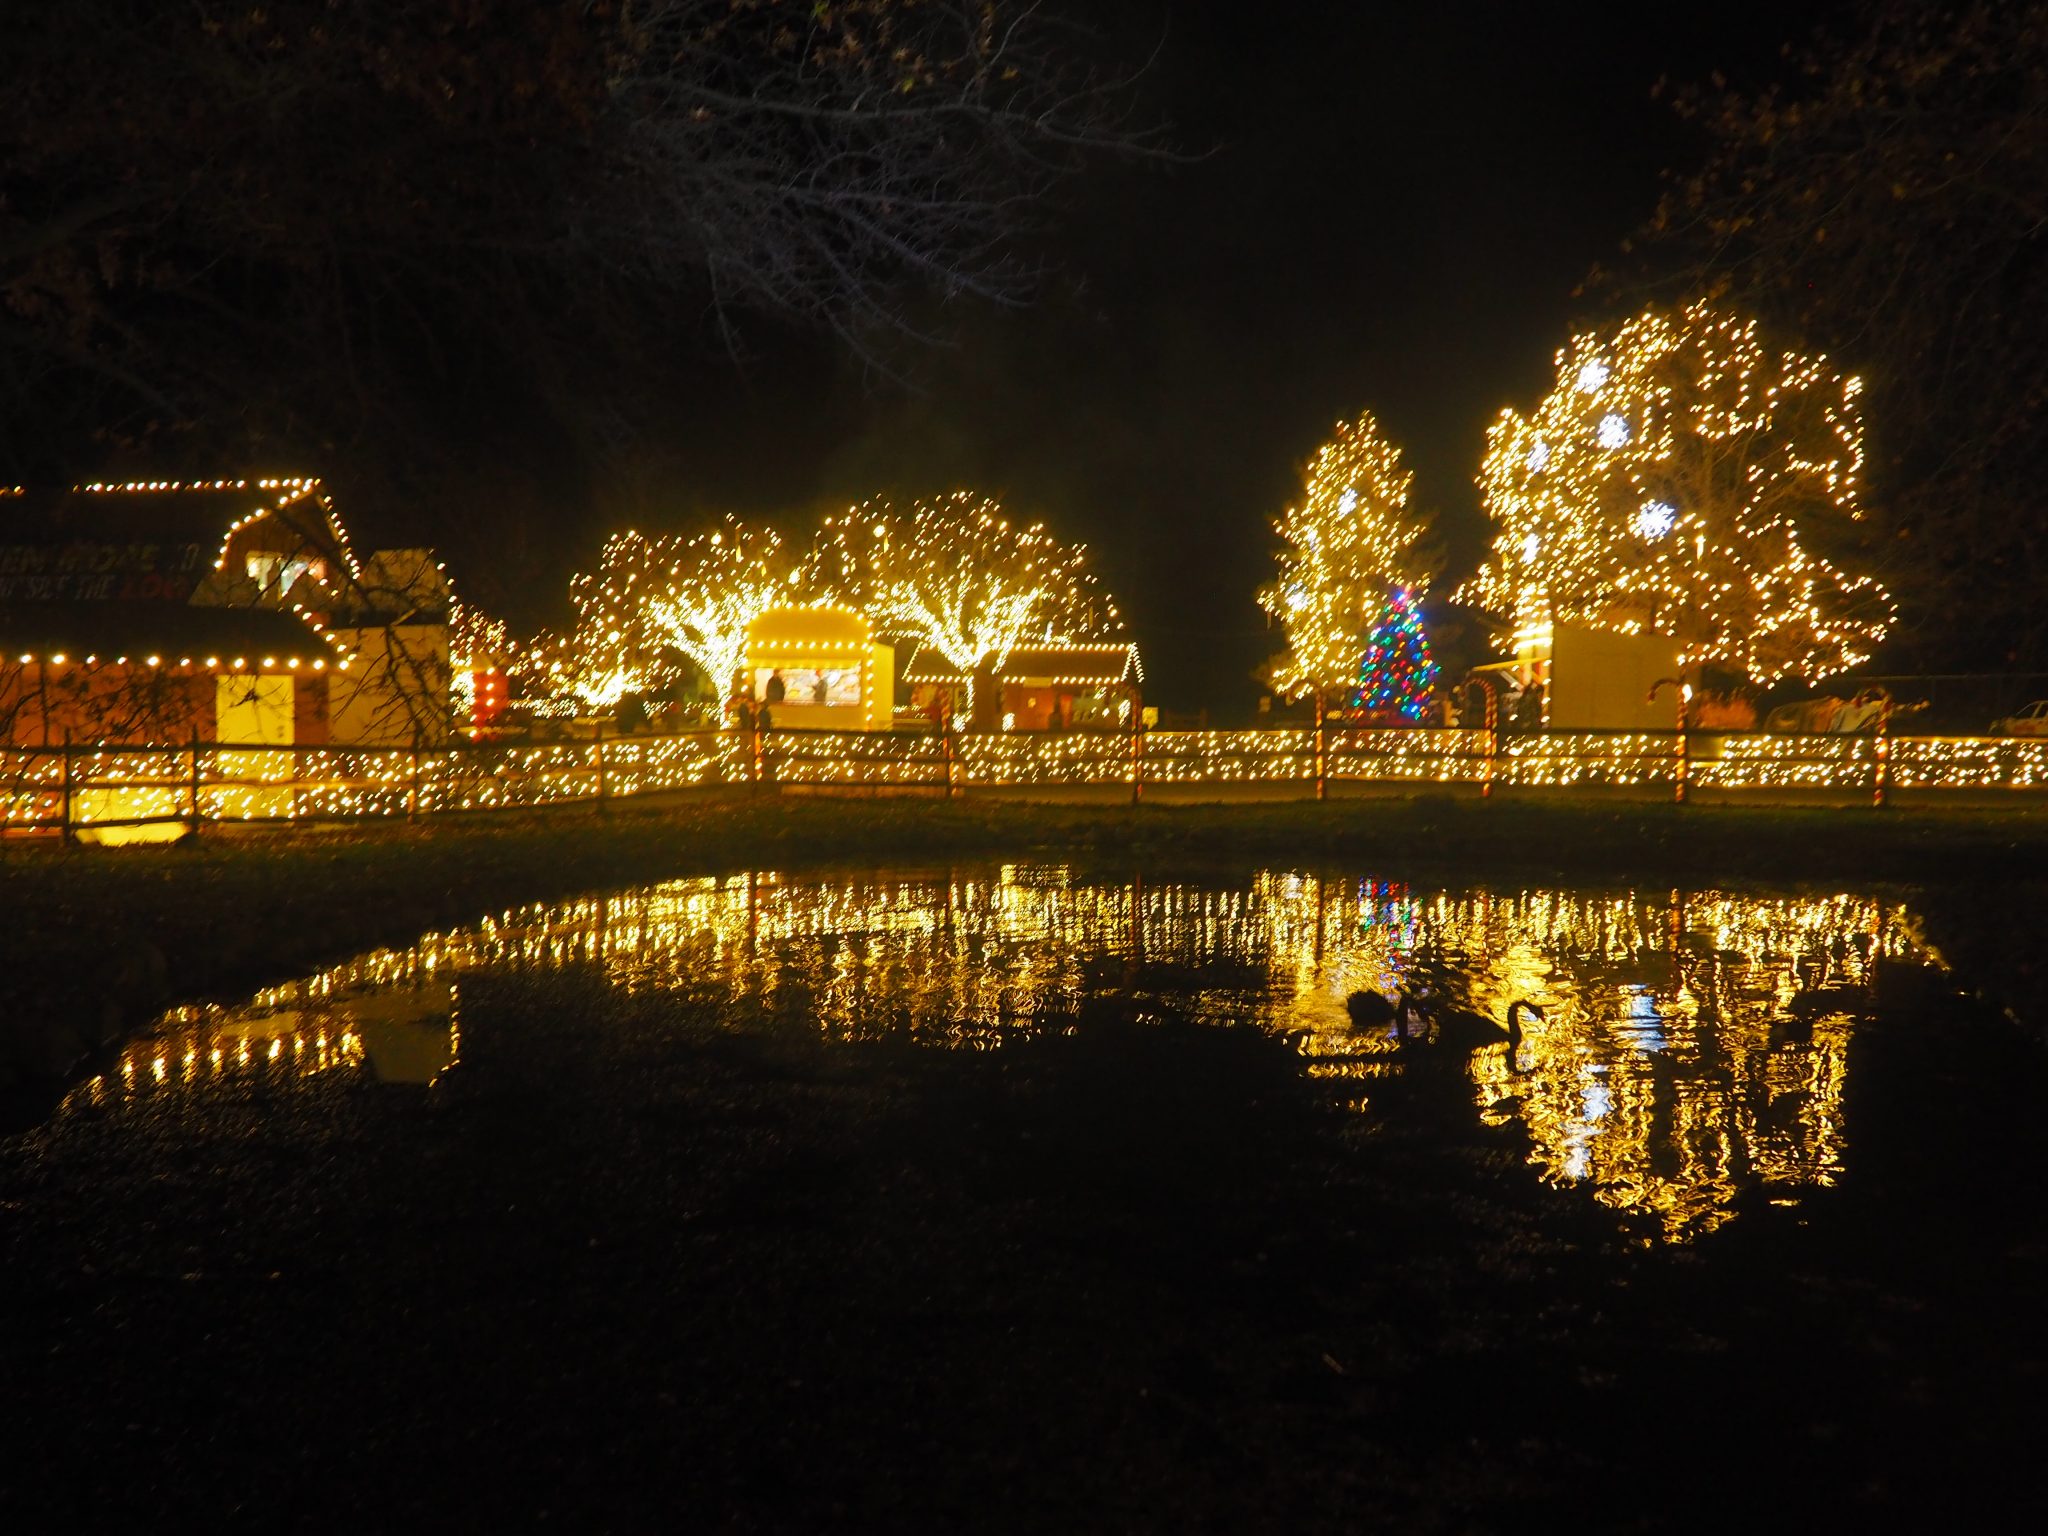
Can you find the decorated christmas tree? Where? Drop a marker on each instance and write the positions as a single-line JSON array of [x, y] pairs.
[[1396, 674], [1352, 535]]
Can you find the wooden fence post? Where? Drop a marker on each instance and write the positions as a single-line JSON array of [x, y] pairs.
[[67, 788], [1880, 768], [1137, 748], [1322, 747], [1492, 741]]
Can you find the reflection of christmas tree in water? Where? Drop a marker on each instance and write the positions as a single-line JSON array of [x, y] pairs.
[[1396, 675]]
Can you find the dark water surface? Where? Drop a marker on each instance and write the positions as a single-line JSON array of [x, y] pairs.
[[1025, 1197], [1691, 1046]]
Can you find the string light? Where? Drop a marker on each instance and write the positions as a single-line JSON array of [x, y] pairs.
[[335, 783], [1686, 425], [1396, 675], [480, 649], [954, 575], [651, 598], [1350, 539]]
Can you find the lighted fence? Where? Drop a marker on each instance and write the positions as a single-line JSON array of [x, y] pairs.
[[98, 788]]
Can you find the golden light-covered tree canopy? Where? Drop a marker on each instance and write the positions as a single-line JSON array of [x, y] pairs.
[[958, 575], [477, 639], [654, 599], [1351, 539], [1681, 478]]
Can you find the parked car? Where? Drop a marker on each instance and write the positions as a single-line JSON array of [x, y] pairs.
[[1828, 713], [2031, 721]]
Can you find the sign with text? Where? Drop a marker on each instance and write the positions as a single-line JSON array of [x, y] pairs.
[[70, 573]]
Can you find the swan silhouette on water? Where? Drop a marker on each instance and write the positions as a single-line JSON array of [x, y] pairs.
[[1374, 1010], [1463, 1030]]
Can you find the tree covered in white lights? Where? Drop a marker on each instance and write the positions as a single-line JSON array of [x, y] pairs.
[[1351, 541], [1682, 478], [477, 639], [653, 600], [956, 574]]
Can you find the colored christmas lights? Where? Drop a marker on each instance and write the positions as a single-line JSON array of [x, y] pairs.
[[1396, 675]]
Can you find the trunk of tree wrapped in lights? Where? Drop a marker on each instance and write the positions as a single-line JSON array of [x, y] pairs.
[[1676, 480], [1351, 540], [956, 575]]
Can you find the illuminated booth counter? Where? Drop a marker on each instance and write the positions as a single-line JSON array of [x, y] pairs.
[[833, 675]]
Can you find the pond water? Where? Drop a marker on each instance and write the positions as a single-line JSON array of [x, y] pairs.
[[1692, 1046]]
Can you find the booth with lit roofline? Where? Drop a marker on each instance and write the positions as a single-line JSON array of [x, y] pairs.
[[835, 675]]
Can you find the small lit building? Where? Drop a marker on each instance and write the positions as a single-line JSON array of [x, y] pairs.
[[393, 620], [820, 669], [239, 681], [129, 613], [935, 690], [162, 673], [1059, 688]]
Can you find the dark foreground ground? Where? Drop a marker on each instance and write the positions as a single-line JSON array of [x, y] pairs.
[[627, 1269]]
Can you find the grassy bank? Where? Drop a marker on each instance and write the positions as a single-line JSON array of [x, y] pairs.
[[93, 940]]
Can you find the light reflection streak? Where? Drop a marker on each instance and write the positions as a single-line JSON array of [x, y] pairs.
[[1669, 1070]]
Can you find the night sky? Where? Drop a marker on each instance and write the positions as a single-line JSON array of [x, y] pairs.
[[1387, 206]]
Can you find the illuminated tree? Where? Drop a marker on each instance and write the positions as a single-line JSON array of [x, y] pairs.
[[1397, 675], [1871, 202], [1675, 481], [709, 587], [1350, 541], [653, 601], [477, 642], [955, 574], [476, 638]]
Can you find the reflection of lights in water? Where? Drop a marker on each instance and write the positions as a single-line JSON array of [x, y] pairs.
[[1641, 1025], [1653, 1074]]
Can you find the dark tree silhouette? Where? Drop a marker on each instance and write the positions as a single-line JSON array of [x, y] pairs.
[[1889, 205], [301, 226]]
